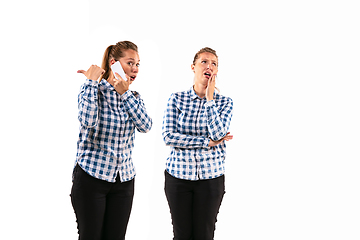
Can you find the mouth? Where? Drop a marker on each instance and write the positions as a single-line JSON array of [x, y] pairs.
[[132, 78], [207, 75]]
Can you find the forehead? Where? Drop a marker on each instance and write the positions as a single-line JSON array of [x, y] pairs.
[[131, 54], [208, 56]]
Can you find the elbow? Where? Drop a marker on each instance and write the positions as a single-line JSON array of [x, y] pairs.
[[167, 138], [146, 127], [87, 124], [144, 130]]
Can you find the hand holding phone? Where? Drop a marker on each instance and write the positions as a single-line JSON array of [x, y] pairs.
[[117, 68]]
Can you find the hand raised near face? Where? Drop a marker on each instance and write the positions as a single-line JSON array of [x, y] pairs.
[[210, 88], [120, 85], [93, 73]]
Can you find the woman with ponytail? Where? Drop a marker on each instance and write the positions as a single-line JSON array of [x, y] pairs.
[[104, 174]]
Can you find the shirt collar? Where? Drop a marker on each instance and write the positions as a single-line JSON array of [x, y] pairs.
[[105, 85], [193, 94]]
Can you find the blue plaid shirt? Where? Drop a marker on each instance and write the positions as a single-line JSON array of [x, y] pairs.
[[108, 121], [188, 125]]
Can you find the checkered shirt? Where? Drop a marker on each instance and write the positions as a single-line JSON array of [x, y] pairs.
[[188, 125], [107, 130]]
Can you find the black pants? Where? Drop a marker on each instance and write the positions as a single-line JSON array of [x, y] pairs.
[[194, 206], [102, 208]]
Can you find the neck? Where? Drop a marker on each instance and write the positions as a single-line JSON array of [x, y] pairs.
[[200, 90]]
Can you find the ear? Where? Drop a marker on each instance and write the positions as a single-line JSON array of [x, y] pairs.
[[193, 67], [112, 61]]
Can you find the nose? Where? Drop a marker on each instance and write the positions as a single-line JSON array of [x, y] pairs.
[[135, 69]]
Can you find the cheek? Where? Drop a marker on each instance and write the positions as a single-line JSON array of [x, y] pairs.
[[127, 69], [199, 71]]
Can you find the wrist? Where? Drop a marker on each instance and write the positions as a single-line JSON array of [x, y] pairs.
[[91, 82], [125, 94], [121, 91]]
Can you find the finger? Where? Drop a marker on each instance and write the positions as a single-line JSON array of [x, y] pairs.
[[228, 135], [81, 71], [229, 138], [115, 81], [214, 77], [127, 78]]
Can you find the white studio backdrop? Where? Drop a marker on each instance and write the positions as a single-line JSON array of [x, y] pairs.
[[291, 67]]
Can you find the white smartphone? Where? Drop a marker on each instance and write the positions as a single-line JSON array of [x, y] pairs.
[[116, 68]]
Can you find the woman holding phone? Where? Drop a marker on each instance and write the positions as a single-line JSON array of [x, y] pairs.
[[104, 173], [195, 126]]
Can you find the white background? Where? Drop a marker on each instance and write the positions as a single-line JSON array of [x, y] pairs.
[[291, 67]]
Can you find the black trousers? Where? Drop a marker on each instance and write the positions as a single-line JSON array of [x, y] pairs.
[[102, 208], [194, 206]]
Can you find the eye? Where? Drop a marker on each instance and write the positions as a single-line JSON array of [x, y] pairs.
[[138, 64], [130, 64], [203, 61], [214, 64]]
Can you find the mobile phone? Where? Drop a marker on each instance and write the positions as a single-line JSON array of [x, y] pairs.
[[116, 68]]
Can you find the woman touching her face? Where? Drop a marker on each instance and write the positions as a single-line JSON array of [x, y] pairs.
[[205, 69], [195, 126]]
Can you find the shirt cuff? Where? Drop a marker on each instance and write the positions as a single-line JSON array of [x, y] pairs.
[[126, 95], [206, 142], [210, 103], [92, 83]]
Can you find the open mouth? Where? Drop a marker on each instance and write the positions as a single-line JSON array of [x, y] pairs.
[[132, 78], [208, 75]]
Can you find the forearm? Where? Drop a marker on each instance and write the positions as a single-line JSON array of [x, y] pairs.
[[218, 122], [185, 141], [88, 104], [137, 111]]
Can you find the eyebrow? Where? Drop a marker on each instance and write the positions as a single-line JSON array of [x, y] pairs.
[[202, 59], [132, 59]]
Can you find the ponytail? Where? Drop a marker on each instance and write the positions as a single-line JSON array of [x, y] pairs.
[[105, 62]]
